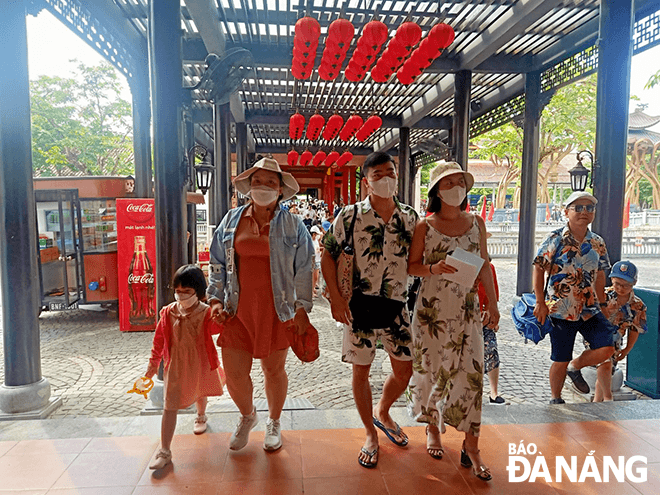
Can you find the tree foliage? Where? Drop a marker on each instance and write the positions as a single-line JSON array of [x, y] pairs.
[[81, 125]]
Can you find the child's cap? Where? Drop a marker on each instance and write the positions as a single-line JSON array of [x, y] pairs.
[[624, 270]]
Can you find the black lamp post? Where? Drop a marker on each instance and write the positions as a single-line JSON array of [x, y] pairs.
[[580, 173], [204, 170]]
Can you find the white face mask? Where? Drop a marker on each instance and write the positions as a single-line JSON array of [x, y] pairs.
[[185, 301], [453, 196], [264, 195], [384, 188]]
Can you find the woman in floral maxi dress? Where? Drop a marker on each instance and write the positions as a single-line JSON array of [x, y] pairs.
[[447, 328]]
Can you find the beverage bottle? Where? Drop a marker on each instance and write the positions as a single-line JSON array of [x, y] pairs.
[[141, 285]]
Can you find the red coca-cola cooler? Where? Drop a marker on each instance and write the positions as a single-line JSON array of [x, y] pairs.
[[136, 253]]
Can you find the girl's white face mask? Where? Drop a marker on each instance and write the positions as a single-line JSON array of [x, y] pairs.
[[185, 301], [384, 188], [263, 195], [453, 196]]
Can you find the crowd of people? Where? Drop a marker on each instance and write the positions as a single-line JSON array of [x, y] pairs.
[[267, 258]]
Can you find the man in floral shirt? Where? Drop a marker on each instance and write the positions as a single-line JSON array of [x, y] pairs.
[[576, 260], [382, 233]]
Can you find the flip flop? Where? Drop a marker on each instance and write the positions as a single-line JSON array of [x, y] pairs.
[[389, 432], [368, 465]]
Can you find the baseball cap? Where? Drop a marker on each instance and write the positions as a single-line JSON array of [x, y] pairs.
[[326, 225], [581, 195], [624, 270], [314, 230]]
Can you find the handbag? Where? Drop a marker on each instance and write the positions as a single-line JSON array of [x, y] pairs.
[[526, 323], [345, 262], [523, 317], [374, 311], [306, 345]]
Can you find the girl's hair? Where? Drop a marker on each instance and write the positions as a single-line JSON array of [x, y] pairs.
[[190, 277], [434, 203]]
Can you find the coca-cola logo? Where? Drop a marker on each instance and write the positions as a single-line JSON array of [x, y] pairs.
[[147, 278], [141, 212]]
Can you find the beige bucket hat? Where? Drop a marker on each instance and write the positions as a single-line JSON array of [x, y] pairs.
[[450, 168], [289, 189]]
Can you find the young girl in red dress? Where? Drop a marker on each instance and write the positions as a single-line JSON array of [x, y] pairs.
[[192, 369]]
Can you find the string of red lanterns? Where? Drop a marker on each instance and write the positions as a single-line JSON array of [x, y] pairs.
[[305, 42], [438, 38], [374, 35], [337, 43]]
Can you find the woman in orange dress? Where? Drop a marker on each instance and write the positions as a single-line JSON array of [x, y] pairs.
[[260, 283]]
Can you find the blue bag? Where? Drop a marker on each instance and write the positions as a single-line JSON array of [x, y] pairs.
[[525, 321]]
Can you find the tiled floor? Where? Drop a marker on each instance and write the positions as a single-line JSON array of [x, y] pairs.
[[325, 462]]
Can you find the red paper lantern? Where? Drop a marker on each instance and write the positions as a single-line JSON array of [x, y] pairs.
[[307, 30], [332, 127], [363, 59], [379, 74], [368, 128], [409, 67], [408, 34], [292, 158], [353, 123], [319, 158], [331, 158], [306, 157], [304, 54], [345, 157], [316, 123], [375, 33], [428, 49], [296, 126], [355, 67], [419, 59], [327, 73], [299, 73], [353, 75], [365, 47], [340, 32], [396, 50], [404, 77], [441, 35]]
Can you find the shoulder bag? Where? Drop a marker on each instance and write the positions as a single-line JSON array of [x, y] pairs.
[[345, 262]]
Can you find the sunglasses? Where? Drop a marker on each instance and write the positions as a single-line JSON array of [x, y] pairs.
[[580, 208]]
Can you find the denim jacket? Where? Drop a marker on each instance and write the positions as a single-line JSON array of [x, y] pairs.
[[291, 253]]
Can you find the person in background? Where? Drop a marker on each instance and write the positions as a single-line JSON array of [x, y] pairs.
[[192, 370], [447, 382], [575, 260], [627, 314], [491, 355], [260, 283], [316, 240]]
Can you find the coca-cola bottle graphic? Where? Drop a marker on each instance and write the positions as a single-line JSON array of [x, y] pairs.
[[141, 286]]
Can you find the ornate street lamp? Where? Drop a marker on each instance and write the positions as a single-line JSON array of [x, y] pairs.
[[580, 173], [203, 171]]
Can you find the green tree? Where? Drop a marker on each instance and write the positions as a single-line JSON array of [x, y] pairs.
[[653, 81], [568, 124], [81, 124]]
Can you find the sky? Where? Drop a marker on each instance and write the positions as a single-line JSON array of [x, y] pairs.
[[51, 45]]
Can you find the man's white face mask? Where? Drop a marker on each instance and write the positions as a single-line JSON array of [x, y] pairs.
[[385, 187]]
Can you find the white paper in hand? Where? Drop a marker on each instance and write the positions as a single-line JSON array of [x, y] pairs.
[[467, 265]]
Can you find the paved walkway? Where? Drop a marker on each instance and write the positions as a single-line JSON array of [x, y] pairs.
[[91, 364]]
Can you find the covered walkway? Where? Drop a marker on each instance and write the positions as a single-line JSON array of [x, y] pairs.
[[319, 456]]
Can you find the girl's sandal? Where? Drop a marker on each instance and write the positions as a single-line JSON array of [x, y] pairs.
[[435, 452]]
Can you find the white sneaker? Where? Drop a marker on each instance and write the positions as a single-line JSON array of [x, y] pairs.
[[239, 438], [200, 424], [273, 436], [162, 459]]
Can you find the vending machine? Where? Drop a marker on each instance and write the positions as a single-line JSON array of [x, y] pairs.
[[136, 253]]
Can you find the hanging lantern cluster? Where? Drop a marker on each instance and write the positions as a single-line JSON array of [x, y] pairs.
[[352, 125], [406, 37], [340, 35], [370, 126], [305, 43], [296, 126], [374, 35], [439, 37]]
